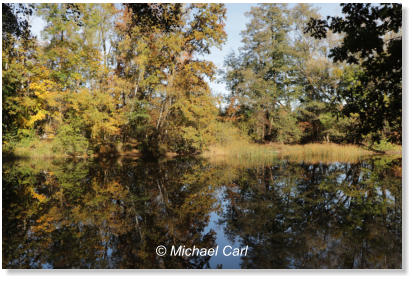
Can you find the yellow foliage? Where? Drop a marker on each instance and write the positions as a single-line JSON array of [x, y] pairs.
[[40, 197], [40, 115]]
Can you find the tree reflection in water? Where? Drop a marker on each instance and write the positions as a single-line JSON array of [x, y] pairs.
[[97, 214]]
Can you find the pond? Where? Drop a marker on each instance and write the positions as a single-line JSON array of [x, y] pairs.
[[284, 214]]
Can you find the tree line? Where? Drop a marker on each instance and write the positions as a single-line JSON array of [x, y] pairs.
[[300, 78], [104, 75]]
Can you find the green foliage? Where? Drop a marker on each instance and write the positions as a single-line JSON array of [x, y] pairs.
[[286, 129], [70, 141], [138, 120], [17, 66], [383, 145], [282, 82], [258, 77], [24, 138], [160, 72], [226, 133], [108, 76], [373, 40]]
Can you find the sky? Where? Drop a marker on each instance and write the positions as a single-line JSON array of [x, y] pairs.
[[235, 23]]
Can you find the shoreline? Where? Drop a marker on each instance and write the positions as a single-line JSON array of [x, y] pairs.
[[238, 149]]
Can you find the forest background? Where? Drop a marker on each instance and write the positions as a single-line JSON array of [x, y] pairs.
[[116, 79]]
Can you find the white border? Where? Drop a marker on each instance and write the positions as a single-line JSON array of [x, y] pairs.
[[316, 275]]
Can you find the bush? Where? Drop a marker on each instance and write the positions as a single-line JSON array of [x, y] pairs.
[[70, 141], [21, 139], [383, 145], [226, 133]]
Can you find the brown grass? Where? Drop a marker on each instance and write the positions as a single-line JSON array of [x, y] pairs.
[[326, 152], [244, 153]]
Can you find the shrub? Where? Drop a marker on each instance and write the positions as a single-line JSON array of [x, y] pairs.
[[383, 145], [70, 141]]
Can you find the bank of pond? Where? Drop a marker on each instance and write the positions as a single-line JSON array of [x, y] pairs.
[[240, 151]]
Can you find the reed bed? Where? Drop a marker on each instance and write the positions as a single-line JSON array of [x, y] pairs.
[[250, 154], [241, 153], [325, 153]]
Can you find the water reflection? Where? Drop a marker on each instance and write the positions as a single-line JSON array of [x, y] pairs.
[[97, 214]]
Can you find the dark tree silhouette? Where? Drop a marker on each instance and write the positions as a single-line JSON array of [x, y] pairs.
[[373, 39], [14, 21]]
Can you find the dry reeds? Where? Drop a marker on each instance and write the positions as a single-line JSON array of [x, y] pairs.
[[325, 153], [250, 154]]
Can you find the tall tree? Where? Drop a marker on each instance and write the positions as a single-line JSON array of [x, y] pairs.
[[18, 53], [317, 79], [68, 90], [259, 78], [164, 82]]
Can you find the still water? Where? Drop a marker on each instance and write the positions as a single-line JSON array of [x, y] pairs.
[[115, 213]]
